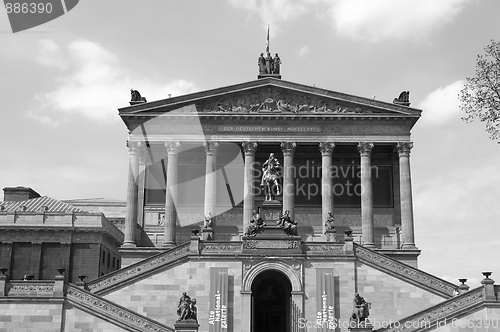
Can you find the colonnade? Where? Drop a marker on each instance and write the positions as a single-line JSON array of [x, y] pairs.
[[288, 148]]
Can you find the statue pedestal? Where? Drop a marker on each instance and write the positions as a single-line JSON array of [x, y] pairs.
[[363, 327], [189, 325], [278, 76], [270, 212], [331, 235], [207, 234]]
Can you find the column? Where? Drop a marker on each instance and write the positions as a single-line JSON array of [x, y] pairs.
[[249, 149], [211, 148], [173, 148], [326, 149], [132, 191], [141, 189], [288, 149], [365, 151], [403, 149]]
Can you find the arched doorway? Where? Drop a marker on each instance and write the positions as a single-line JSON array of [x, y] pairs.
[[271, 302]]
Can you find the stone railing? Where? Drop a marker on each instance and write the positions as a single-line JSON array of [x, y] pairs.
[[407, 272], [112, 312], [438, 315], [137, 270], [31, 288], [324, 248]]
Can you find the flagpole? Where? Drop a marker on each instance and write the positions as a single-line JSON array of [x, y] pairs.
[[267, 40]]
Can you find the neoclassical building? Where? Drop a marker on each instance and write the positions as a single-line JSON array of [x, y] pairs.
[[194, 199], [207, 149]]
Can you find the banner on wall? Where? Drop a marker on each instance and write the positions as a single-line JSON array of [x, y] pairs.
[[217, 318], [325, 317]]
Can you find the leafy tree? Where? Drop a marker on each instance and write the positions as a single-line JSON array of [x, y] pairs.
[[480, 97]]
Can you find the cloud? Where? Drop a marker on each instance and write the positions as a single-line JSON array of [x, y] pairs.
[[50, 54], [441, 104], [369, 20], [93, 84], [273, 12], [303, 51], [382, 20]]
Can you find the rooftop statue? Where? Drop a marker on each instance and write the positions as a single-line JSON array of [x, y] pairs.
[[270, 177], [262, 64], [136, 97], [269, 63], [403, 99], [276, 64]]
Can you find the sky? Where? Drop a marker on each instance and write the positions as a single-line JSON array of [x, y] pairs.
[[62, 82]]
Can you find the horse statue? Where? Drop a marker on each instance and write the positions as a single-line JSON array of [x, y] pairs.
[[270, 177]]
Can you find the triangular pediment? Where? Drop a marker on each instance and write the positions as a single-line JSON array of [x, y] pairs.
[[273, 96]]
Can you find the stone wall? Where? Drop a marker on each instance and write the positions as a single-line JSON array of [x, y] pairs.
[[31, 316], [157, 295], [391, 298], [76, 320]]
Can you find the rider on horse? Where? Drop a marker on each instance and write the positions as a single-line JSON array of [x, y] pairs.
[[271, 173]]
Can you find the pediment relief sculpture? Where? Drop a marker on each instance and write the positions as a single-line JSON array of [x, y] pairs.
[[276, 102]]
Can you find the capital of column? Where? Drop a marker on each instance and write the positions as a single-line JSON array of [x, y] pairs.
[[134, 147], [173, 147], [211, 147], [249, 148], [288, 148], [365, 148], [326, 148], [403, 148]]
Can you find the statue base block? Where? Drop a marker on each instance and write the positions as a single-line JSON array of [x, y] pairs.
[[270, 212], [272, 245], [207, 234], [278, 76], [189, 325], [331, 235], [363, 327]]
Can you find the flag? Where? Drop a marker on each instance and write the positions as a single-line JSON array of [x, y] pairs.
[[267, 40]]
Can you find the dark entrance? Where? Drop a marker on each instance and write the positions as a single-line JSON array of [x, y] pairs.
[[271, 296]]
